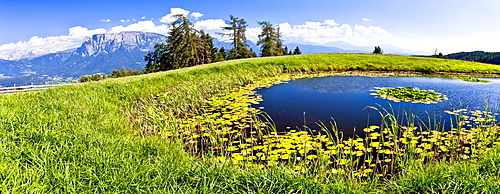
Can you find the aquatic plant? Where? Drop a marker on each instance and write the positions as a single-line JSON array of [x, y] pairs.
[[471, 79], [409, 94]]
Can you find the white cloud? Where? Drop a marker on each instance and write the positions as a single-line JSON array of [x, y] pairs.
[[123, 21], [81, 32], [144, 26], [169, 18], [331, 22], [196, 15], [253, 33], [38, 46], [366, 19], [318, 33], [210, 24], [143, 17], [105, 20]]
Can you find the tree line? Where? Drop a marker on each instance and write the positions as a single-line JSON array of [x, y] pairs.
[[123, 72], [186, 46], [477, 56]]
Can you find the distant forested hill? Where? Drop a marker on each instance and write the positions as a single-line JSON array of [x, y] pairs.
[[477, 56]]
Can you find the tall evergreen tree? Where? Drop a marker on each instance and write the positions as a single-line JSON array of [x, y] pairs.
[[184, 47], [279, 43], [156, 60], [377, 50], [221, 55], [297, 51], [207, 50], [285, 51], [268, 39], [181, 44], [237, 28]]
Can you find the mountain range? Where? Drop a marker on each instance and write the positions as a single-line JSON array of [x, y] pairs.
[[103, 53]]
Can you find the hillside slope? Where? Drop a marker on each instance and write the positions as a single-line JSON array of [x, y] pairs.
[[81, 138]]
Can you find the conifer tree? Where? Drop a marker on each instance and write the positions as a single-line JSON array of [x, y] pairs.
[[237, 28], [286, 52], [377, 50], [267, 39], [207, 50], [279, 43], [181, 44], [184, 47], [221, 55], [270, 40], [156, 60], [297, 51]]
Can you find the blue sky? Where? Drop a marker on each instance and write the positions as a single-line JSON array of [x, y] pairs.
[[448, 25]]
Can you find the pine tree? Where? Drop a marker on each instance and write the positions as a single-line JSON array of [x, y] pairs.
[[279, 43], [181, 44], [237, 28], [297, 51], [270, 40], [156, 60], [377, 50], [286, 52], [184, 47], [267, 39], [207, 50], [221, 55]]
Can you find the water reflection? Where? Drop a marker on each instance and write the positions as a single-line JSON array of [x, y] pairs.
[[346, 98]]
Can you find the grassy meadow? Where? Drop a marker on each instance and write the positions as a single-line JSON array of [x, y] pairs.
[[157, 133]]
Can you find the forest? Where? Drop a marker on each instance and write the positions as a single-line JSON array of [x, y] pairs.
[[476, 56]]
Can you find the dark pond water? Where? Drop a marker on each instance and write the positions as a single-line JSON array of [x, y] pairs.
[[345, 99]]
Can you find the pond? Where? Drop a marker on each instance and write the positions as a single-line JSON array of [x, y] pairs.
[[345, 99]]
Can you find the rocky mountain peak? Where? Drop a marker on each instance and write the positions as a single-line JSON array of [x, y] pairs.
[[123, 41]]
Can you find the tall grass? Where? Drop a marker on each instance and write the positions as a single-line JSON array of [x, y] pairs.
[[90, 137]]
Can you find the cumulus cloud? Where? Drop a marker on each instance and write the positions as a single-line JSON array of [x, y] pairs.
[[38, 46], [81, 32], [319, 33], [143, 17], [169, 18], [329, 22], [123, 21], [210, 24], [105, 20], [144, 26], [253, 33], [196, 15], [366, 19]]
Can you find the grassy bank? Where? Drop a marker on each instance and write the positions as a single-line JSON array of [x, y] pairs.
[[95, 137]]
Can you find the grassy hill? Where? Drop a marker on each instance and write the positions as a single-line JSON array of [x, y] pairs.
[[90, 137]]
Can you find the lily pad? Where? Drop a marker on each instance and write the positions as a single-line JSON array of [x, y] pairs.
[[409, 94]]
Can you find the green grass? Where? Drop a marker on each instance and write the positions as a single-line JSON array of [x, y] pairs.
[[90, 137]]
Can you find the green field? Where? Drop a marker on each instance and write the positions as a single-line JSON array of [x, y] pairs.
[[107, 136]]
